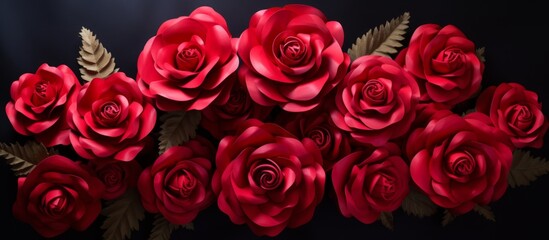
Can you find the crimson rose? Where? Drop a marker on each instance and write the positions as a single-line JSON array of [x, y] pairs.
[[445, 63], [57, 195], [40, 102], [267, 178], [117, 176], [178, 183], [460, 161], [376, 102], [517, 112], [111, 118], [292, 57], [187, 64]]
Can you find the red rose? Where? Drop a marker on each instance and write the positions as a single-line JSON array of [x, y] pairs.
[[178, 183], [517, 112], [371, 181], [267, 178], [376, 102], [460, 162], [117, 176], [221, 120], [40, 102], [57, 195], [187, 65], [111, 118], [317, 125], [292, 57], [445, 63]]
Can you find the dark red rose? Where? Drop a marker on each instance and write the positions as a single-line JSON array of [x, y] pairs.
[[57, 195], [368, 182], [117, 176], [376, 102], [517, 112], [460, 162], [221, 120], [444, 62], [292, 57], [187, 65], [318, 126], [178, 183], [40, 102], [267, 178], [110, 119]]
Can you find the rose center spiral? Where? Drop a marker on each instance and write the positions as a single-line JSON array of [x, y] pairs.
[[461, 163], [384, 186], [292, 51], [112, 176], [521, 117], [188, 59], [319, 135], [374, 92], [54, 202], [267, 174], [237, 102], [183, 183], [110, 110], [41, 88]]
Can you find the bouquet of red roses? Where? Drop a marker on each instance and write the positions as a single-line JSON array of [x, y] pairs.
[[265, 125]]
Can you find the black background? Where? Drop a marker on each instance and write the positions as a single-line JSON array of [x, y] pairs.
[[36, 32]]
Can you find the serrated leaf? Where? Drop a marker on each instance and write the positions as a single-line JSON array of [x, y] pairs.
[[418, 204], [177, 128], [22, 159], [387, 220], [447, 218], [162, 229], [526, 168], [480, 54], [95, 60], [123, 216], [382, 40], [486, 212]]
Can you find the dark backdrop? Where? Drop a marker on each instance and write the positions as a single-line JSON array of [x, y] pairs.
[[34, 32]]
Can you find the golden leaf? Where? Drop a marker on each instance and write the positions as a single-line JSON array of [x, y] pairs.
[[177, 128], [480, 54], [447, 218], [486, 212], [418, 204], [162, 229], [526, 168], [123, 216], [23, 159], [95, 60], [382, 40], [386, 219]]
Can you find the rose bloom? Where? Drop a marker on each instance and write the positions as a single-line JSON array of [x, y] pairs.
[[187, 65], [110, 118], [445, 63], [57, 195], [292, 57], [460, 162], [368, 182], [40, 102], [117, 176], [178, 183], [267, 178], [221, 120], [517, 112], [376, 102]]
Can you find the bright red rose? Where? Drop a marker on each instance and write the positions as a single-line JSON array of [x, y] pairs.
[[178, 183], [444, 62], [221, 120], [57, 195], [187, 65], [371, 181], [376, 102], [517, 112], [460, 162], [40, 102], [292, 57], [117, 176], [110, 119], [267, 178]]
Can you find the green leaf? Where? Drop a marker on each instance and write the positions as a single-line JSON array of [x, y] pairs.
[[418, 204], [22, 159], [486, 212], [382, 40], [480, 54], [447, 218], [387, 220], [162, 229], [95, 60], [123, 216], [526, 168], [177, 128]]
